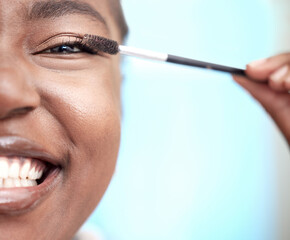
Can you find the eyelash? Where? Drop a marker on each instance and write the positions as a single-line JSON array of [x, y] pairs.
[[84, 48]]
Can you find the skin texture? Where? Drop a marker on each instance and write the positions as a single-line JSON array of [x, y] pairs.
[[69, 104], [269, 83]]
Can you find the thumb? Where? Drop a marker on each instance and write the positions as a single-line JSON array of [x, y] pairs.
[[275, 103]]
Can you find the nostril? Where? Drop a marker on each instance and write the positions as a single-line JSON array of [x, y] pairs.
[[18, 95], [22, 110], [17, 111]]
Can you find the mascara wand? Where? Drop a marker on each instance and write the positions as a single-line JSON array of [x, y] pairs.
[[112, 47]]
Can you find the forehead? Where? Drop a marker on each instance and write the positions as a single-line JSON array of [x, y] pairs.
[[39, 10]]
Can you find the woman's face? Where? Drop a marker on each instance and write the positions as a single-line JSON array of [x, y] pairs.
[[59, 114]]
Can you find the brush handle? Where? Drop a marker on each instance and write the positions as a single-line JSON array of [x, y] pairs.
[[195, 63], [142, 53]]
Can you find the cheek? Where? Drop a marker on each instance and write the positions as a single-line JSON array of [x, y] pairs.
[[86, 106], [87, 110], [79, 116], [90, 115]]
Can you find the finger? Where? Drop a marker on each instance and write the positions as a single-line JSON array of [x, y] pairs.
[[276, 104], [262, 69], [287, 80], [277, 80]]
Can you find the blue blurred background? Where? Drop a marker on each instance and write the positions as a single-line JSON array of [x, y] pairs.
[[198, 155]]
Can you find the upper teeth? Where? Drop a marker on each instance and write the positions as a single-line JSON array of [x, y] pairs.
[[19, 172]]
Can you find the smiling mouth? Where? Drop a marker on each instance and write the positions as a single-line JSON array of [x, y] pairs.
[[18, 172], [28, 175]]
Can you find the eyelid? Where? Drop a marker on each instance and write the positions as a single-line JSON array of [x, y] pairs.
[[56, 41]]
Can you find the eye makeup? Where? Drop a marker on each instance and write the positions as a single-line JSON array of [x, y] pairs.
[[64, 44], [65, 52]]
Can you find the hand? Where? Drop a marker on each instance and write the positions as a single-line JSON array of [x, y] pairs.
[[268, 81]]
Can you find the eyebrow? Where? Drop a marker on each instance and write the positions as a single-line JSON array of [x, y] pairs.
[[56, 8]]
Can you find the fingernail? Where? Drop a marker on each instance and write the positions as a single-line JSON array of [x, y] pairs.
[[276, 76], [258, 62]]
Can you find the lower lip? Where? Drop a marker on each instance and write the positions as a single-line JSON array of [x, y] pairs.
[[18, 200]]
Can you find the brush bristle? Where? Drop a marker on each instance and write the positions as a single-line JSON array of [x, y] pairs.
[[101, 44]]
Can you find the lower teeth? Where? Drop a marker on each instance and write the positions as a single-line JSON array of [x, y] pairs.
[[15, 182]]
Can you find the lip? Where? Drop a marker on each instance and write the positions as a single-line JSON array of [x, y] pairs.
[[22, 199], [18, 146]]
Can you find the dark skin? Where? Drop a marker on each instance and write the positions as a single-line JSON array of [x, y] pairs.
[[67, 103], [70, 104], [269, 83]]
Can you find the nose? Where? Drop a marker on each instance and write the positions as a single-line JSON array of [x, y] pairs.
[[17, 95]]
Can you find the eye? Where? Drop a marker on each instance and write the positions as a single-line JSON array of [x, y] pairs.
[[64, 49], [69, 48], [65, 52]]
